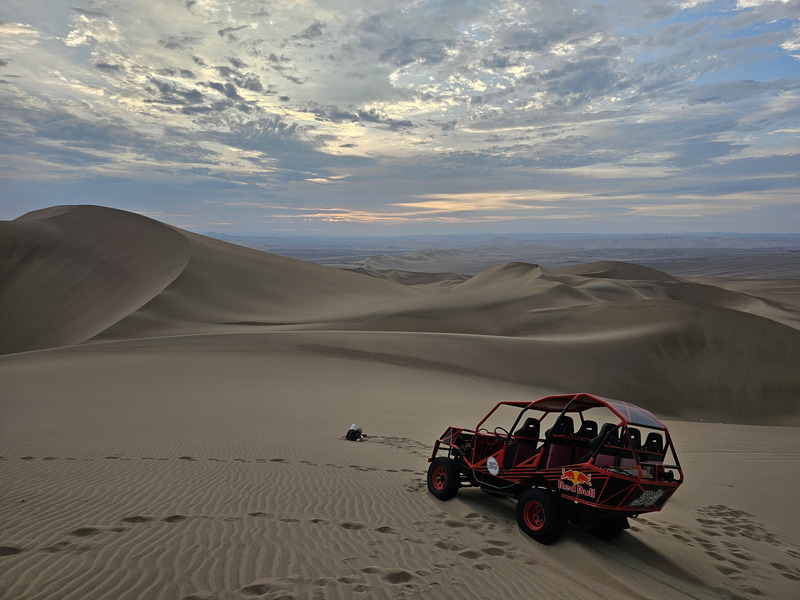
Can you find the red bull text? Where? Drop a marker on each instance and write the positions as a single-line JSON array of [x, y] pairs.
[[578, 481]]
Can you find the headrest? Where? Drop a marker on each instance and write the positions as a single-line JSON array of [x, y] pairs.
[[608, 433], [654, 442], [529, 429]]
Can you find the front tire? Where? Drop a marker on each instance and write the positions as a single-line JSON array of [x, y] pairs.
[[443, 478], [540, 515]]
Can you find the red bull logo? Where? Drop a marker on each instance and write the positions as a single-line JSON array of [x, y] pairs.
[[578, 481], [576, 477]]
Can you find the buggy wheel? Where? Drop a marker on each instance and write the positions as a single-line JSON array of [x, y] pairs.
[[443, 478], [540, 515]]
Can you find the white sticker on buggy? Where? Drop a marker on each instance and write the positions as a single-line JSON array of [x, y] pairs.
[[648, 498], [493, 466]]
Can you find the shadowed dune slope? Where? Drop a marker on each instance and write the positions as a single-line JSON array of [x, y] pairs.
[[67, 273], [225, 285]]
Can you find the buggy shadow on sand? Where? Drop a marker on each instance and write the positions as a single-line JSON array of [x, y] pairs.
[[598, 463]]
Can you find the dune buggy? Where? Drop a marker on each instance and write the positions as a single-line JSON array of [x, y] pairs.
[[598, 463]]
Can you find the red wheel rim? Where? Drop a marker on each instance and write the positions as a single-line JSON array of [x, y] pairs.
[[439, 478], [534, 515]]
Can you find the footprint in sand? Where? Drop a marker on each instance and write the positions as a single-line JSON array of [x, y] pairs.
[[417, 487], [57, 547], [9, 550], [394, 576], [725, 570], [495, 551], [261, 589], [285, 588], [398, 576], [355, 584], [789, 573], [412, 446], [471, 521], [174, 518], [137, 519], [453, 523], [88, 531], [360, 468], [85, 531], [371, 570], [492, 548]]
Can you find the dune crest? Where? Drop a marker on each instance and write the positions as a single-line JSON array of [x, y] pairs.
[[617, 270]]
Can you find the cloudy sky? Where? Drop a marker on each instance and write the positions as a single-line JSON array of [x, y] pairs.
[[401, 117]]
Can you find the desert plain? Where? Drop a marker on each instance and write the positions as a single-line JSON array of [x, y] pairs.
[[173, 410]]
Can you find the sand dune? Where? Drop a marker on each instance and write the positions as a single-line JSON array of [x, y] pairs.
[[71, 272], [189, 467], [173, 409], [687, 349], [76, 271]]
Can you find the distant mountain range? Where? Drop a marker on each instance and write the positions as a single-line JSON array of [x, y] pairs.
[[703, 254]]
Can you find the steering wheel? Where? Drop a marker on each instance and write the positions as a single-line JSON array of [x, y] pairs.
[[503, 431]]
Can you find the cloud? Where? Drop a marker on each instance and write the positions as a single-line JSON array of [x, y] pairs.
[[172, 93], [108, 66], [578, 100], [227, 31], [372, 115], [310, 33], [16, 38], [792, 44], [742, 4], [183, 41], [91, 28]]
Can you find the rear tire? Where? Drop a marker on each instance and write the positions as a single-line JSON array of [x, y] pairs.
[[541, 516], [443, 478]]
